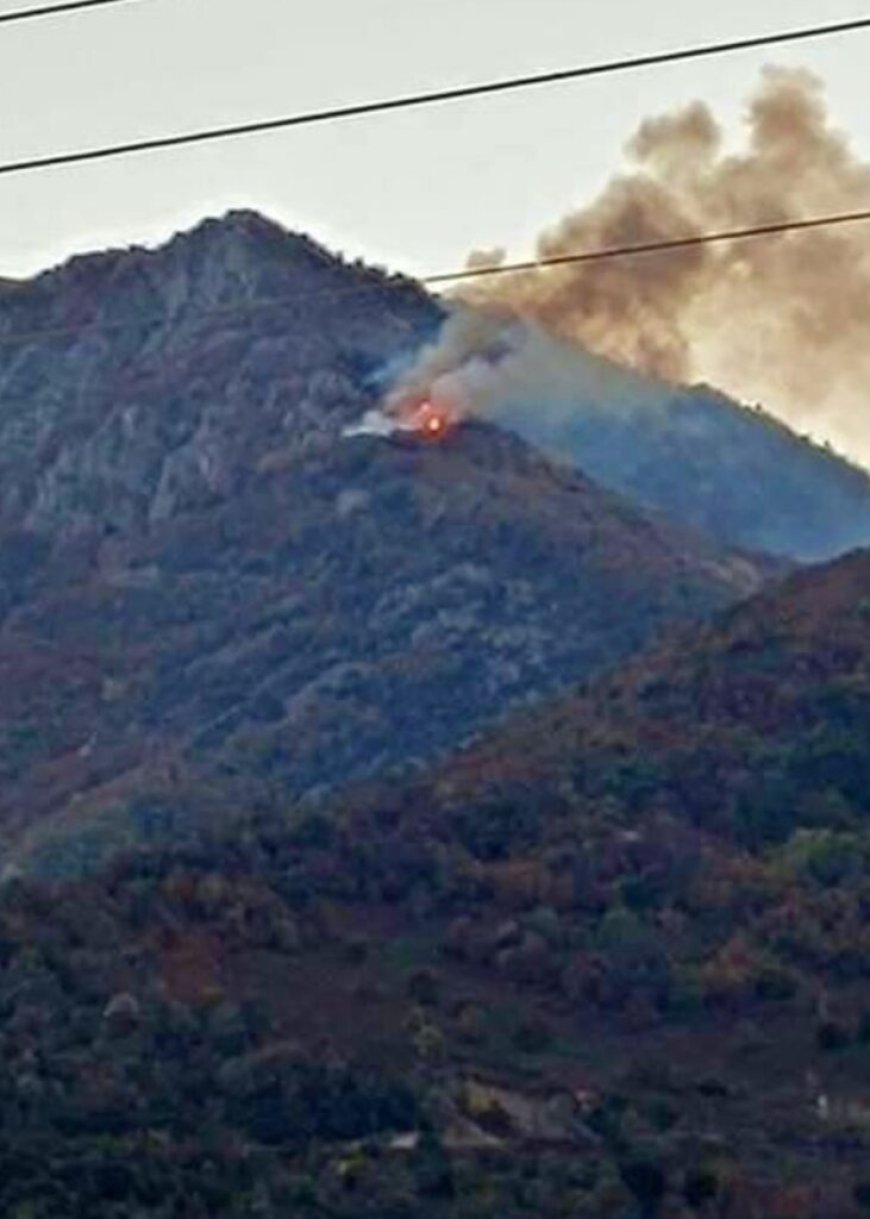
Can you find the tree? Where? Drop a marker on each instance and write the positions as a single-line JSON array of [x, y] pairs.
[[647, 1182]]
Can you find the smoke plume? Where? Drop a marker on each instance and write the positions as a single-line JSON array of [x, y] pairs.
[[778, 320], [493, 365]]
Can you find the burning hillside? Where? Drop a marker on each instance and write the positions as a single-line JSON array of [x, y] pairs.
[[779, 320], [431, 419]]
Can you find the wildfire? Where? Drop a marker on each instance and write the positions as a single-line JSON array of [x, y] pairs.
[[430, 420], [433, 421]]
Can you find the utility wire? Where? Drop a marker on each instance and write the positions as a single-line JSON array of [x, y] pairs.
[[509, 84], [647, 247], [54, 10], [757, 232]]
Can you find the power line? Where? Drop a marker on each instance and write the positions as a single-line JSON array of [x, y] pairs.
[[54, 10], [647, 247], [757, 232], [408, 101]]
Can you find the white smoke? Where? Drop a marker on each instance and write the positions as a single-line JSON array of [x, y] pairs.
[[375, 423], [492, 366]]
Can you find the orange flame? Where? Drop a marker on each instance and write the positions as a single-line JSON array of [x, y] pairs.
[[433, 420]]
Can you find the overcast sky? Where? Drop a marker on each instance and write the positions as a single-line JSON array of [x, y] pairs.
[[415, 190]]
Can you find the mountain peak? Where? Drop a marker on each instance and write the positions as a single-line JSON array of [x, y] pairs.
[[220, 261], [245, 234]]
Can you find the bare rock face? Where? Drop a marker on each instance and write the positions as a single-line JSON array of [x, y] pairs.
[[137, 385]]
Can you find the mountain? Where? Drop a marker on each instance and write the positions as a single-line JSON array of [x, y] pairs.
[[694, 455], [363, 607], [138, 385], [199, 566], [752, 729], [90, 350], [610, 962]]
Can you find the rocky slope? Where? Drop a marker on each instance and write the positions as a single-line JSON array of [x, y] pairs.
[[364, 606], [138, 385]]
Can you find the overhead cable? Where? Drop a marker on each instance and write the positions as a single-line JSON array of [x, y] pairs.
[[55, 10], [417, 100], [646, 247], [756, 232]]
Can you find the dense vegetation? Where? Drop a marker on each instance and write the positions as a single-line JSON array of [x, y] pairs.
[[612, 962]]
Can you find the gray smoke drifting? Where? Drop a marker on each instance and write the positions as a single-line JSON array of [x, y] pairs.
[[781, 320], [496, 367]]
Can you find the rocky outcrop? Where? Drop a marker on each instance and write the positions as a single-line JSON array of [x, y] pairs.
[[137, 385]]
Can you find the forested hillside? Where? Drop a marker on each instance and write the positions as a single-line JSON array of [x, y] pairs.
[[612, 961]]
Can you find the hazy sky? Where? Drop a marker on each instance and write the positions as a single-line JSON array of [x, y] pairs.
[[415, 190]]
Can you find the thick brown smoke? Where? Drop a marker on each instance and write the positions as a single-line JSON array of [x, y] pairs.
[[781, 320]]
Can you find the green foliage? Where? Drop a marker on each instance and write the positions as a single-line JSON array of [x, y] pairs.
[[825, 857]]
